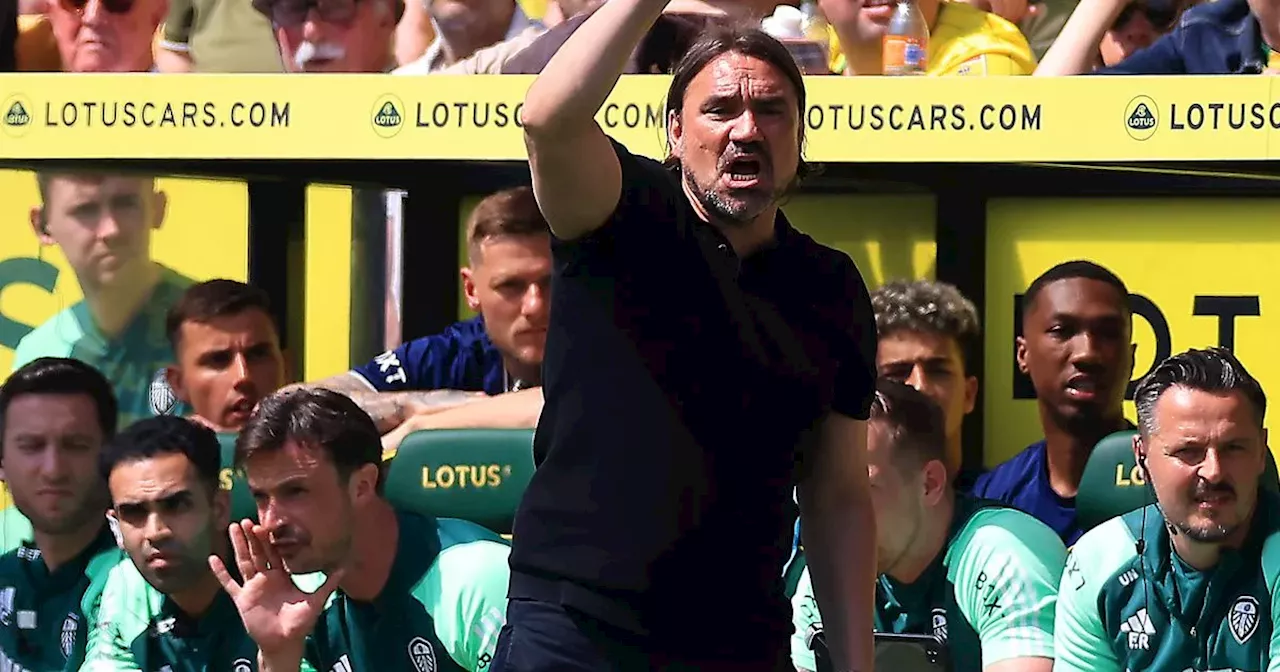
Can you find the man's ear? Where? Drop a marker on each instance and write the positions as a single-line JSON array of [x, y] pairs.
[[469, 288], [675, 135], [934, 481], [173, 376], [40, 225], [1020, 352]]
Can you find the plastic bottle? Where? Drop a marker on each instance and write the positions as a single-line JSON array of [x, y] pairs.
[[799, 33], [906, 43]]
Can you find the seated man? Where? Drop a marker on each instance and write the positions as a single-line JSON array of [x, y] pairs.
[[981, 577], [1077, 348], [226, 352], [55, 415], [1189, 582], [163, 608], [412, 592], [508, 281]]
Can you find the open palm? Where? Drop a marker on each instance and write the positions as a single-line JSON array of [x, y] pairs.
[[277, 614]]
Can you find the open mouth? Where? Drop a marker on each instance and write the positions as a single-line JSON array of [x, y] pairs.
[[1082, 387], [744, 171]]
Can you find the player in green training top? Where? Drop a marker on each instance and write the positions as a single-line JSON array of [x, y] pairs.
[[55, 415], [414, 593], [1188, 583], [980, 577], [103, 225], [163, 609]]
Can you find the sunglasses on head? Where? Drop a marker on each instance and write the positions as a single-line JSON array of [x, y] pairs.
[[293, 13], [112, 6]]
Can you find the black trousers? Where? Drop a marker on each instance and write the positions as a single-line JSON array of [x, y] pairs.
[[544, 637]]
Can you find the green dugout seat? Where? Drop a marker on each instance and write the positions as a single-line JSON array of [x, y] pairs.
[[242, 504], [1112, 483], [477, 475]]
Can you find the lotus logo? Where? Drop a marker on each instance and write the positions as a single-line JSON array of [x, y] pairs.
[[1140, 120], [387, 116], [15, 116]]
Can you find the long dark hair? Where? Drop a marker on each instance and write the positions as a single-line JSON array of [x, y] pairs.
[[745, 39]]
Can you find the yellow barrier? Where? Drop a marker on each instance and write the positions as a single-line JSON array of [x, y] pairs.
[[876, 119]]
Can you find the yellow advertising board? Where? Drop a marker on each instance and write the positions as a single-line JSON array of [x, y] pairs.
[[872, 119], [1201, 271]]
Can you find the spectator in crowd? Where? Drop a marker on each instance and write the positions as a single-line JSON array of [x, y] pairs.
[[106, 35], [103, 225], [341, 36], [1077, 348], [662, 46], [463, 28], [690, 320], [217, 36], [412, 592], [1135, 29], [226, 352], [1188, 582], [55, 415], [980, 576], [163, 606], [1213, 38], [507, 281], [926, 333], [963, 40]]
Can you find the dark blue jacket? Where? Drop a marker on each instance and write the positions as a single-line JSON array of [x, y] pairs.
[[1215, 38]]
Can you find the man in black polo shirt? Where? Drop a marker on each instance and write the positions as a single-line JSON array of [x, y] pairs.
[[702, 356]]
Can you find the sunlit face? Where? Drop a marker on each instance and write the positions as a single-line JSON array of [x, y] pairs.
[[896, 498], [306, 505], [1077, 347], [933, 364], [1205, 457], [340, 36], [106, 35], [509, 283], [50, 461], [472, 17], [862, 24], [102, 224], [226, 366], [737, 138], [168, 519]]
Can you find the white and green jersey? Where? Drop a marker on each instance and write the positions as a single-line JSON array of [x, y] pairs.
[[989, 597], [439, 611], [129, 361], [1122, 607]]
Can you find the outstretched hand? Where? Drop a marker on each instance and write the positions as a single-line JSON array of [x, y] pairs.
[[277, 614]]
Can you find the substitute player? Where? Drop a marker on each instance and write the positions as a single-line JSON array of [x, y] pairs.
[[414, 593], [55, 415], [1188, 583], [979, 576]]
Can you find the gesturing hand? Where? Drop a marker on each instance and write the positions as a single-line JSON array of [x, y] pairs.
[[277, 614]]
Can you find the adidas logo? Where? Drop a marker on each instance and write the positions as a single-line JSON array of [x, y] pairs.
[[1138, 630], [17, 115], [1142, 119]]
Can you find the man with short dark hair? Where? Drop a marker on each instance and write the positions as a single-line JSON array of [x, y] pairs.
[[1077, 347], [162, 606], [226, 352], [55, 415], [508, 282], [103, 225], [981, 577], [1189, 582], [413, 592]]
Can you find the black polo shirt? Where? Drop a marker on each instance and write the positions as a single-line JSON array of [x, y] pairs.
[[682, 386]]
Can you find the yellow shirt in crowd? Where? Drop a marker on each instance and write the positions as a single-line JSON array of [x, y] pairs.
[[967, 41]]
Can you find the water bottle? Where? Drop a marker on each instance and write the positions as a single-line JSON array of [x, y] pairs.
[[798, 33], [906, 43]]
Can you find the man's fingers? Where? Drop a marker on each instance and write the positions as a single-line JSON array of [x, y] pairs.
[[224, 577], [240, 544], [269, 551], [256, 553]]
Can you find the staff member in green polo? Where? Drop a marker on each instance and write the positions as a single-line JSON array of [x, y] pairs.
[[1188, 583], [979, 576], [54, 416]]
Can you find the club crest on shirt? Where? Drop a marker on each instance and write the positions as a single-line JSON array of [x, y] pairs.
[[1243, 619], [422, 655], [940, 624], [242, 665], [69, 628]]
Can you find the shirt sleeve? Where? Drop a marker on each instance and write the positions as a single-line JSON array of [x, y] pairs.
[[420, 364], [1006, 584], [122, 616], [470, 604], [1080, 641], [1271, 574], [177, 25], [807, 621]]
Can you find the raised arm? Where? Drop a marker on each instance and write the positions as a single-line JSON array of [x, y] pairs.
[[576, 175]]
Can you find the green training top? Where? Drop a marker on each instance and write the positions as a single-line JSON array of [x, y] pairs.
[[1125, 608], [45, 616], [129, 361], [440, 610], [989, 597], [139, 629]]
